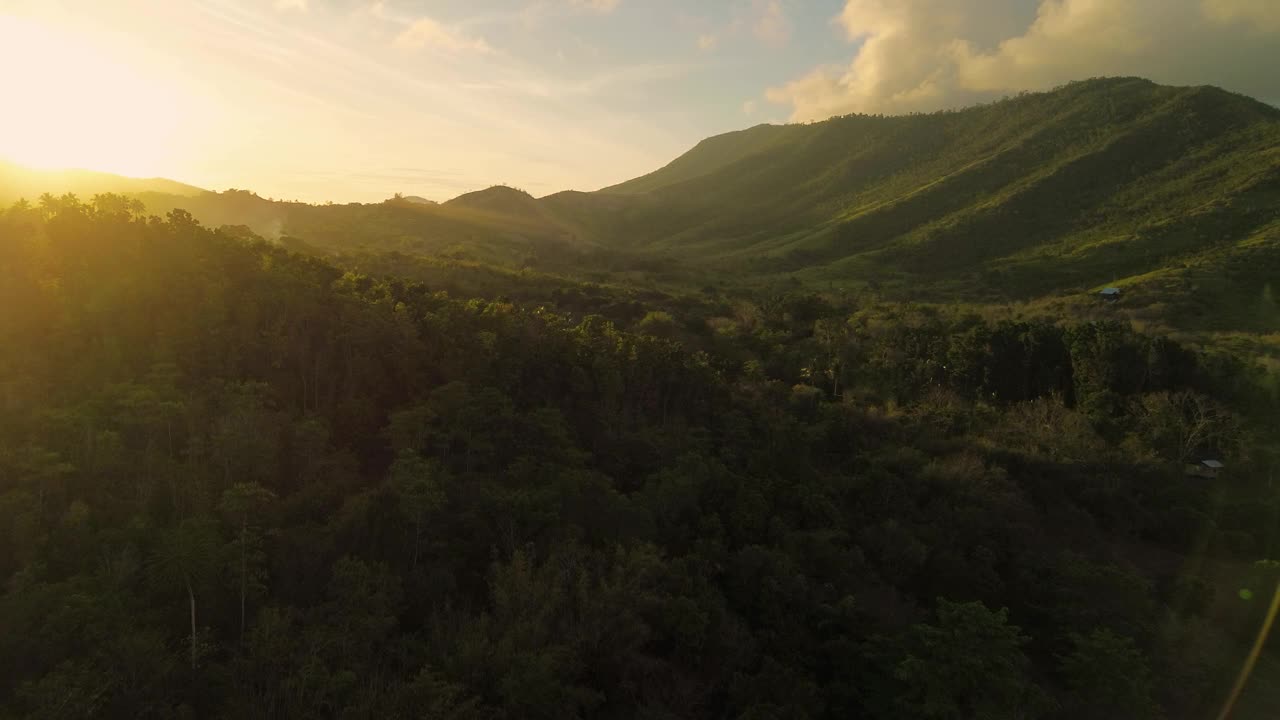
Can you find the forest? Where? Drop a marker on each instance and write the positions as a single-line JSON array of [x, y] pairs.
[[237, 480]]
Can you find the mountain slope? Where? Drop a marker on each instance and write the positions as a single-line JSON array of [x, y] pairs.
[[1067, 189], [712, 154]]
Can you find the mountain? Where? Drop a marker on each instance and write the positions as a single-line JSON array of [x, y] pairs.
[[1086, 185], [18, 182], [1173, 191]]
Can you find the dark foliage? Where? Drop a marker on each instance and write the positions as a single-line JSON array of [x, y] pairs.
[[236, 481]]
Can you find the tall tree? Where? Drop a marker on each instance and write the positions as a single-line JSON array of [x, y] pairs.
[[187, 556], [239, 504]]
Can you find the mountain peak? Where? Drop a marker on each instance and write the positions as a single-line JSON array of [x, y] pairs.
[[500, 199], [411, 200]]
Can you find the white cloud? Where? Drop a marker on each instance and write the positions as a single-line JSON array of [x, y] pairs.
[[749, 107], [927, 54], [291, 5], [427, 33], [597, 6], [708, 41]]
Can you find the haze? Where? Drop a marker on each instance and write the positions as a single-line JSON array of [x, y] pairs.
[[351, 100]]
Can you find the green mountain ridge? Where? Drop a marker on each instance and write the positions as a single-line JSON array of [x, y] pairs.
[[1099, 182], [711, 154], [1081, 186]]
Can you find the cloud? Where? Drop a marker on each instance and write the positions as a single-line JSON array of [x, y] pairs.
[[1263, 14], [291, 5], [749, 107], [427, 33], [771, 25], [765, 20], [636, 79], [920, 55], [603, 7]]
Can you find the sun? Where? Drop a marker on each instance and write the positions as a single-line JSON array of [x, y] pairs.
[[69, 103]]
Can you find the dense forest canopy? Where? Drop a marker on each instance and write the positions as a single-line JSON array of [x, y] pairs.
[[237, 480]]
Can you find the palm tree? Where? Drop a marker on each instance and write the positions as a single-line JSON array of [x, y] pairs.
[[238, 503], [186, 557]]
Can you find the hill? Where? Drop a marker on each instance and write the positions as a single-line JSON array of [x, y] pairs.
[[1086, 185], [500, 225], [1172, 193], [418, 199], [483, 228], [18, 182], [499, 199]]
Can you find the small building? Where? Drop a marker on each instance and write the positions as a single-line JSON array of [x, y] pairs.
[[1206, 469], [1110, 294]]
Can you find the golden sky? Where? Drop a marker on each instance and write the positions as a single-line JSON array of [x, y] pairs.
[[353, 100]]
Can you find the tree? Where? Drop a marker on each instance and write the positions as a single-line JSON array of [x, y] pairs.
[[416, 481], [969, 665], [1181, 424], [239, 502], [670, 530], [1108, 677], [832, 335], [186, 556], [658, 324]]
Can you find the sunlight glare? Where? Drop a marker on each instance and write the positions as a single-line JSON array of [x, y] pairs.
[[72, 104]]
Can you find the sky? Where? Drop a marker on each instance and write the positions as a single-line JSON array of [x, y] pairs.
[[354, 100]]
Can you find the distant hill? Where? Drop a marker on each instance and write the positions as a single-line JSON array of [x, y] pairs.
[[1114, 181], [498, 199], [482, 228], [18, 182], [417, 200]]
